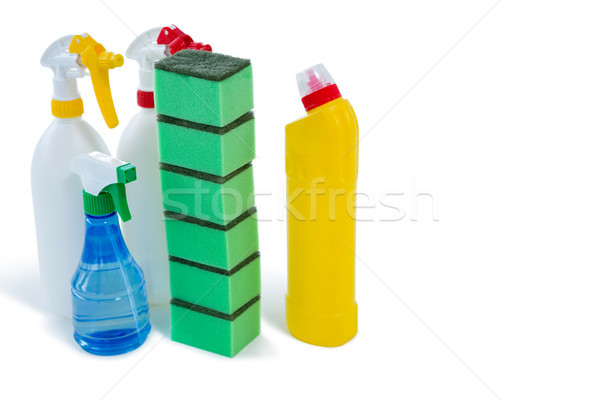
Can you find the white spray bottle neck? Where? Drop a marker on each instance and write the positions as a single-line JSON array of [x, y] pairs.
[[146, 52], [65, 89]]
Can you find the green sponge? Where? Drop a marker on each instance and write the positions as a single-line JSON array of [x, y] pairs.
[[220, 246], [219, 290], [217, 151], [224, 334], [207, 197], [204, 87]]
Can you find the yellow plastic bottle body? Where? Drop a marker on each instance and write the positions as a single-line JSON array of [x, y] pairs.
[[321, 169]]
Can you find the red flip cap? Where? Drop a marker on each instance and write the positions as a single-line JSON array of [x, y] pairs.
[[320, 97], [316, 87]]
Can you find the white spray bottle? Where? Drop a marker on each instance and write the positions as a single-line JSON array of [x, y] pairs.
[[145, 233], [56, 190]]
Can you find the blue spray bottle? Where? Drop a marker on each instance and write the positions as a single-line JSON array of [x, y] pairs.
[[110, 305]]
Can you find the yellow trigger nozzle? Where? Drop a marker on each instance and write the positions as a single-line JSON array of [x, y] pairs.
[[98, 61]]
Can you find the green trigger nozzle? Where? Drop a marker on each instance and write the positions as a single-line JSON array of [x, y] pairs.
[[104, 179]]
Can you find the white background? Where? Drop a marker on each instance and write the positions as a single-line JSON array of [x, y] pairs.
[[498, 299]]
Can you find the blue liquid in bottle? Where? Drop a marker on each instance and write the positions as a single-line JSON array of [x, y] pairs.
[[110, 306]]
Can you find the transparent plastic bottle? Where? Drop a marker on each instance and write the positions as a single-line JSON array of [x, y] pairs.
[[110, 306]]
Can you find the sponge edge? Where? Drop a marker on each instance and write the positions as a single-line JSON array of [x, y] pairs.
[[213, 288], [223, 149], [207, 88], [203, 64], [210, 200], [212, 244], [213, 333]]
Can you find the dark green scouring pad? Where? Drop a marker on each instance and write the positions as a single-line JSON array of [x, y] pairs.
[[224, 334], [204, 87], [214, 150], [220, 246], [205, 196], [214, 288]]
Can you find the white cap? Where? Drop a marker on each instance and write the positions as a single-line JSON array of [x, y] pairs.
[[312, 79]]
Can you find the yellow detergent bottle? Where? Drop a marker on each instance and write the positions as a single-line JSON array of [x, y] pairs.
[[321, 168]]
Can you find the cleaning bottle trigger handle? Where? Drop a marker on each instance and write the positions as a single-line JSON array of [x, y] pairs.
[[125, 173], [98, 61], [119, 196]]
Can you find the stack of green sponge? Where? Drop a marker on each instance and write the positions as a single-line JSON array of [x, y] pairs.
[[206, 147]]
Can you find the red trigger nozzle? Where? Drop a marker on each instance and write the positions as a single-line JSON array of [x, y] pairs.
[[177, 40]]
